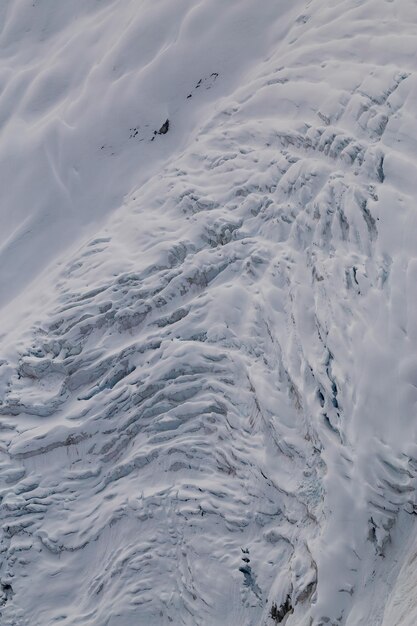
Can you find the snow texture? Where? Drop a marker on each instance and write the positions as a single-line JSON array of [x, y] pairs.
[[208, 290]]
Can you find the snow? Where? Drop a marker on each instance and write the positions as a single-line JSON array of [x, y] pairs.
[[208, 373]]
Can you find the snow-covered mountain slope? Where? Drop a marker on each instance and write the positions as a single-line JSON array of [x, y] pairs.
[[208, 380], [83, 86]]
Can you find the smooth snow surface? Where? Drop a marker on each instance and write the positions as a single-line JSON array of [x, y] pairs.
[[208, 366]]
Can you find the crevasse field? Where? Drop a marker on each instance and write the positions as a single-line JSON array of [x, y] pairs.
[[208, 327]]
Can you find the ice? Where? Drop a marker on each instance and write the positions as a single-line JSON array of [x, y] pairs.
[[208, 375]]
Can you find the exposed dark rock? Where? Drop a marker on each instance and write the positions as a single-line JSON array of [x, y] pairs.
[[164, 128], [279, 612]]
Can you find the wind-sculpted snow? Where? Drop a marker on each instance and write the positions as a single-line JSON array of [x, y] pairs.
[[213, 420]]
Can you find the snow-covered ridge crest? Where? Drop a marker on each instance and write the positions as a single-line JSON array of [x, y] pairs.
[[213, 420]]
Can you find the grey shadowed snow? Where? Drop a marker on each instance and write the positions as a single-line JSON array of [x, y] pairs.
[[208, 376]]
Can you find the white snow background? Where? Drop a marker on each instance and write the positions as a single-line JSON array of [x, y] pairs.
[[208, 364]]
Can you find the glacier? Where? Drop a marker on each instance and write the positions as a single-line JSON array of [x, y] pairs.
[[208, 291]]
